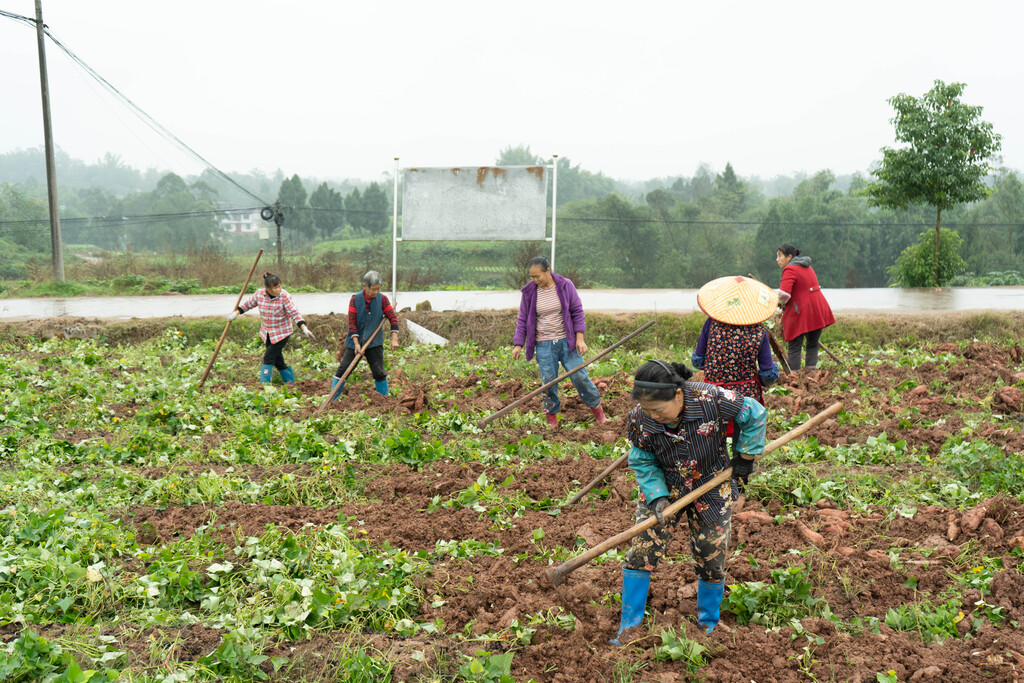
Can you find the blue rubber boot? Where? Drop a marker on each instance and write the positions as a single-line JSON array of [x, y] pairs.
[[709, 603], [381, 385], [266, 372], [334, 383], [635, 583], [288, 375]]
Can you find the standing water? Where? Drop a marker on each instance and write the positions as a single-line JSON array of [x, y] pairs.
[[868, 300]]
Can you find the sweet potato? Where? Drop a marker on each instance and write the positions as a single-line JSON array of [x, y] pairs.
[[812, 537], [973, 518], [991, 527], [753, 515]]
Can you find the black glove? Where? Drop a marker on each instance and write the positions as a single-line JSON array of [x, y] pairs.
[[658, 506], [741, 468]]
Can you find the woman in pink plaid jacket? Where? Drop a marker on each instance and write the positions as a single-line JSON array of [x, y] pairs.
[[277, 311]]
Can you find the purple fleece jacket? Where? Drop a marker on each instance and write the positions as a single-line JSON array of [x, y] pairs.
[[572, 315]]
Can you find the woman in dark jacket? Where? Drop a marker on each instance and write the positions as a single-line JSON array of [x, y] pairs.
[[551, 323], [678, 437], [805, 311]]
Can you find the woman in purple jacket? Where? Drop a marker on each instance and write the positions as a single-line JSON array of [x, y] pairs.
[[551, 324]]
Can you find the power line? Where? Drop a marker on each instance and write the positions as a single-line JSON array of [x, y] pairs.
[[157, 217], [17, 17], [147, 119], [134, 108]]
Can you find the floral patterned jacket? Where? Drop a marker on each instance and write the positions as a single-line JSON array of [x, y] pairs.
[[673, 460]]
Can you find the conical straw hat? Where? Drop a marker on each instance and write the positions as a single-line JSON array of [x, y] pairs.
[[737, 300]]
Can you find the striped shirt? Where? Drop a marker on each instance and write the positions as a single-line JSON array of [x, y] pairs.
[[276, 313], [549, 315]]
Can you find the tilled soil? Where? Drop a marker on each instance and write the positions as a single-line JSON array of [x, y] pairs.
[[848, 555]]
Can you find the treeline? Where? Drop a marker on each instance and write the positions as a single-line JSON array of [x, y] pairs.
[[679, 231]]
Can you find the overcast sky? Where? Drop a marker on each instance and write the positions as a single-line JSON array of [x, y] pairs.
[[635, 90]]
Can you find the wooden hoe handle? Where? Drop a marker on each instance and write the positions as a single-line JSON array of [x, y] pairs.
[[224, 334], [557, 574], [351, 366], [494, 416]]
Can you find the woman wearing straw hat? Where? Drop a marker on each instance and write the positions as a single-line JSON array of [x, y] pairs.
[[733, 348]]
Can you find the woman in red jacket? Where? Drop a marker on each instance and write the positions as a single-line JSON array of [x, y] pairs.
[[805, 312]]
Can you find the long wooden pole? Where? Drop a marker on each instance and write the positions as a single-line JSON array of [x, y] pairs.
[[557, 574], [494, 416], [351, 366], [224, 334], [599, 478], [777, 348], [833, 356]]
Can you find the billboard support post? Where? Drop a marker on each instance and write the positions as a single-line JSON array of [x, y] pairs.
[[394, 243], [554, 207]]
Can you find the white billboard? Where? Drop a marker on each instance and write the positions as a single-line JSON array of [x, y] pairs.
[[475, 203]]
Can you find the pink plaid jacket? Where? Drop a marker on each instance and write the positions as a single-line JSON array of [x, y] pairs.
[[275, 313]]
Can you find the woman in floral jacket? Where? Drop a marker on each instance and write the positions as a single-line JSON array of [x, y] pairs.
[[678, 437]]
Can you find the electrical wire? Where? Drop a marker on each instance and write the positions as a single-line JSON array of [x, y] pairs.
[[147, 119], [17, 17]]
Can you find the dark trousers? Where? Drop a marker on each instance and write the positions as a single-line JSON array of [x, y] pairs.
[[796, 346], [374, 356], [273, 354]]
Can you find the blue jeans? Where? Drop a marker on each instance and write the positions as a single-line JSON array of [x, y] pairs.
[[549, 354]]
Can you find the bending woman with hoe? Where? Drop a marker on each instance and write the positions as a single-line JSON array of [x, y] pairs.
[[277, 311], [677, 433], [805, 311], [551, 325], [366, 309], [733, 349]]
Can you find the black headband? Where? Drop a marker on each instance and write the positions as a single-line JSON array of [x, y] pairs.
[[667, 368], [654, 385]]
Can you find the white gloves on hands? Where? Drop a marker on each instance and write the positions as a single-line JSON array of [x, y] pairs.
[[308, 333], [232, 315]]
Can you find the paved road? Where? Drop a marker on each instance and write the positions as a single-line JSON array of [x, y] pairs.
[[876, 300]]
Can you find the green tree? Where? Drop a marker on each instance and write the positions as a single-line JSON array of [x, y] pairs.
[[354, 209], [517, 156], [292, 196], [328, 213], [174, 216], [917, 267], [944, 159], [1009, 202], [634, 238], [24, 227], [376, 209], [729, 193]]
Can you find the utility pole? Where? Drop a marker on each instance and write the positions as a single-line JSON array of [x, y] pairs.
[[51, 166], [278, 220]]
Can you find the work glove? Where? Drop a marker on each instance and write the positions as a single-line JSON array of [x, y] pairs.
[[232, 315], [741, 468], [658, 507], [308, 333]]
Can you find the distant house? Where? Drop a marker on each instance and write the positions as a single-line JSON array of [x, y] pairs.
[[242, 222]]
